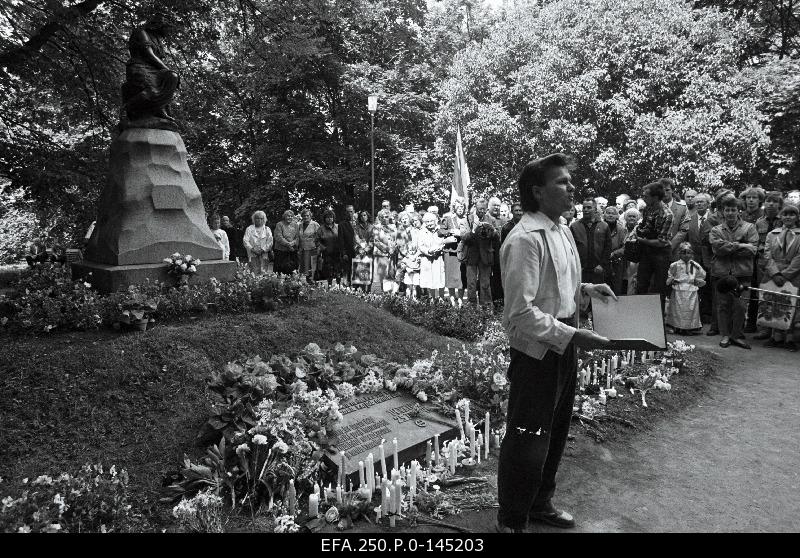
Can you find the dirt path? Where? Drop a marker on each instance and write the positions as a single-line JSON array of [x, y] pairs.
[[731, 462]]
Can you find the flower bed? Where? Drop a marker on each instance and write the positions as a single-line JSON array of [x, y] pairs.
[[48, 299]]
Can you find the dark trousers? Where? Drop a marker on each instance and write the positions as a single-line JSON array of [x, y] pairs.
[[653, 266], [705, 293], [731, 311], [539, 413], [496, 282]]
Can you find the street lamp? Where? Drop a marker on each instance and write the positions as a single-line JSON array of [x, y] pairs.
[[372, 106]]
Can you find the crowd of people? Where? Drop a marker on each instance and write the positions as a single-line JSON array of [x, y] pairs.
[[701, 253]]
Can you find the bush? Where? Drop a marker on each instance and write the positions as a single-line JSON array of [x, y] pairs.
[[17, 227], [92, 500], [47, 298]]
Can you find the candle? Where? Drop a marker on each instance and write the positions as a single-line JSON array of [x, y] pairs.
[[383, 460], [478, 446], [390, 495], [412, 477], [370, 472], [460, 425], [291, 496], [428, 453], [496, 440], [398, 486], [360, 474], [472, 441], [396, 460], [386, 494], [313, 505], [453, 458], [341, 468], [486, 437], [376, 482], [608, 379], [411, 494], [466, 411], [436, 450]]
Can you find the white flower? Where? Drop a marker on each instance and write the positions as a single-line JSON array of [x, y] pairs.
[[176, 255], [184, 267], [24, 529], [422, 396], [280, 447], [390, 385], [167, 260], [499, 379], [192, 269], [178, 262], [188, 257], [87, 285], [242, 448], [260, 440]]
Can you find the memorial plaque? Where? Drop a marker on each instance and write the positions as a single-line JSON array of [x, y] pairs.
[[387, 415]]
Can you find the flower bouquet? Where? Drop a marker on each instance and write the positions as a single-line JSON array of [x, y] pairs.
[[485, 230], [181, 267]]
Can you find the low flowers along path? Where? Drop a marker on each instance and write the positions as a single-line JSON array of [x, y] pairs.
[[727, 463]]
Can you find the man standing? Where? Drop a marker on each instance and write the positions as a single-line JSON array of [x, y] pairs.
[[494, 218], [516, 215], [347, 241], [653, 235], [615, 271], [735, 243], [773, 203], [680, 217], [594, 246], [697, 236], [478, 237], [235, 240], [543, 294]]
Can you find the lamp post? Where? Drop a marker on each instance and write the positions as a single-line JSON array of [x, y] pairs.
[[372, 106]]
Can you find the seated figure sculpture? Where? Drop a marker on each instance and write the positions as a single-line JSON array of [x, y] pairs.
[[149, 84]]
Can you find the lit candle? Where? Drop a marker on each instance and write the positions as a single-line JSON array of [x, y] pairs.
[[428, 453], [396, 460], [460, 424], [478, 446], [313, 505], [471, 441], [436, 450], [370, 472], [360, 474], [341, 468], [383, 460], [466, 411], [496, 439], [486, 437]]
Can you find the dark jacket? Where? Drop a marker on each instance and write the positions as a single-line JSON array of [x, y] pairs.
[[479, 249], [594, 249], [347, 239]]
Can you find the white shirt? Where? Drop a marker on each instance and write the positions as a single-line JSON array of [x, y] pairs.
[[566, 262]]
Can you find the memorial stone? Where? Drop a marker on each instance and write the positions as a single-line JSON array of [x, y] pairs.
[[386, 415]]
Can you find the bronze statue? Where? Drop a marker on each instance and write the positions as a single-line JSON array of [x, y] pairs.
[[149, 85]]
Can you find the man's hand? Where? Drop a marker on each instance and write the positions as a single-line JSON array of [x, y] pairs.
[[598, 269], [600, 291], [588, 339]]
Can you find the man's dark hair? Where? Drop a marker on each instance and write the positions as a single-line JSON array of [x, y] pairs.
[[535, 174], [655, 189], [589, 199], [774, 197], [516, 204], [729, 201]]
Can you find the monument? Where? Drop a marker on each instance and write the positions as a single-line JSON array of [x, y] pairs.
[[150, 207], [385, 415]]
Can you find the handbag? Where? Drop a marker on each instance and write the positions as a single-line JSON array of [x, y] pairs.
[[776, 311], [632, 250]]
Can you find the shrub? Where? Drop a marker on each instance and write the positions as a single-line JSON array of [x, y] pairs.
[[92, 500]]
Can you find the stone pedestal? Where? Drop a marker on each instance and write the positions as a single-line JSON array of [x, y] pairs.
[[150, 209], [111, 278]]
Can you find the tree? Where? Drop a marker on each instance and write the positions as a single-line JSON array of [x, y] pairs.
[[659, 93]]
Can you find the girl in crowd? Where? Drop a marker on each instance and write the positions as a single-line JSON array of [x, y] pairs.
[[782, 265], [287, 242], [686, 276], [631, 217], [363, 238], [258, 242], [308, 245], [330, 249]]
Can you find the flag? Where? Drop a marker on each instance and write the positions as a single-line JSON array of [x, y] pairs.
[[460, 185]]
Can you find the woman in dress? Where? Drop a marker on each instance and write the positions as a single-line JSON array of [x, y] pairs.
[[287, 242], [308, 245], [431, 249], [384, 244], [330, 248], [258, 242], [221, 236], [782, 265], [686, 276], [451, 226], [363, 260]]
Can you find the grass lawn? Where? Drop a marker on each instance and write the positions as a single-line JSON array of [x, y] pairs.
[[137, 400]]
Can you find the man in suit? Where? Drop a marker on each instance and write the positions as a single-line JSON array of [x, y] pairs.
[[347, 240], [494, 217], [235, 240], [699, 227], [478, 237], [680, 217]]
